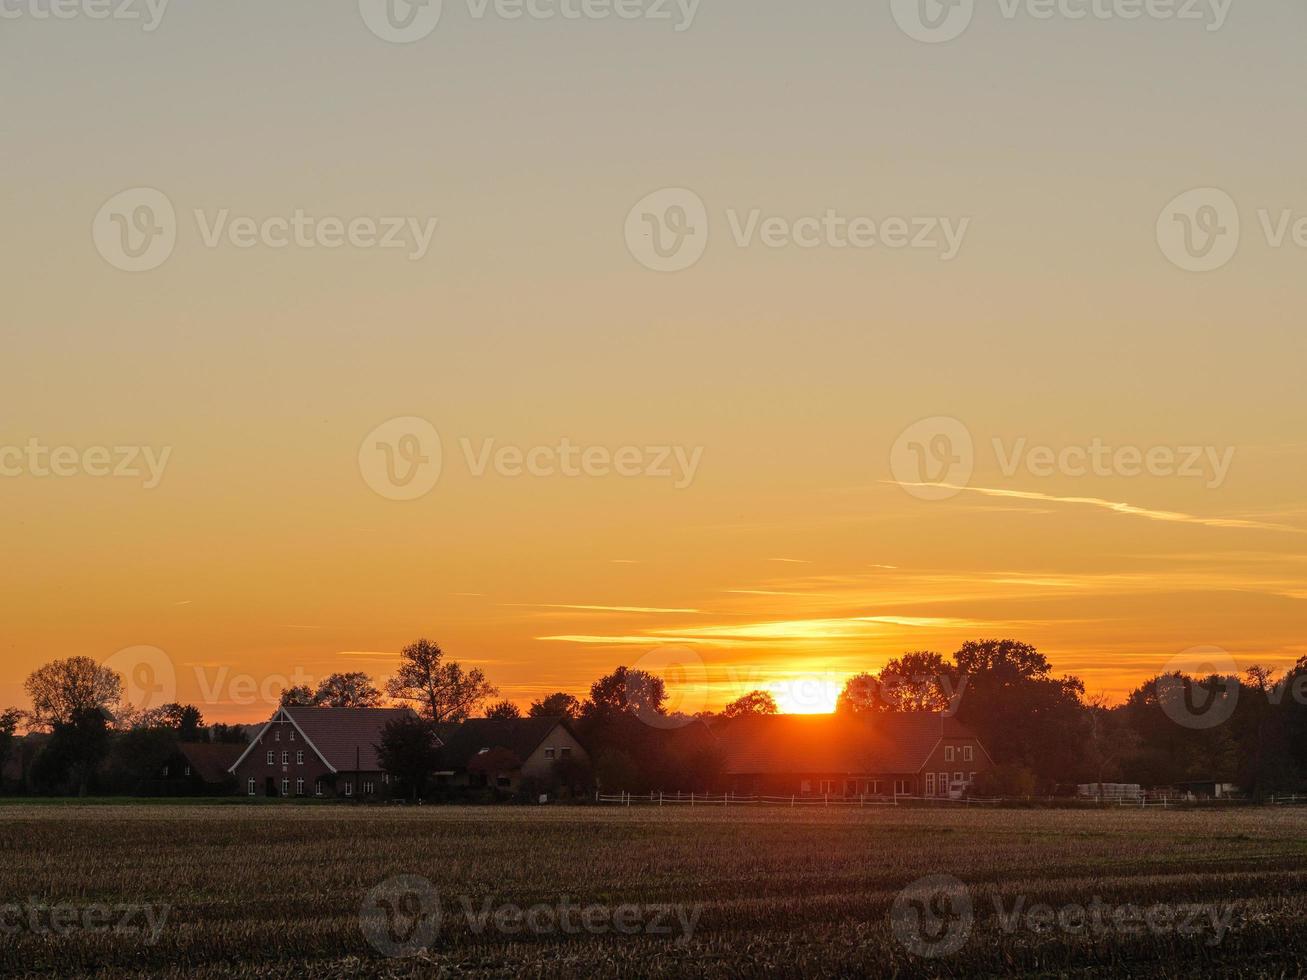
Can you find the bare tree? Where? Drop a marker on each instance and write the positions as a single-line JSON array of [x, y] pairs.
[[64, 688], [441, 689]]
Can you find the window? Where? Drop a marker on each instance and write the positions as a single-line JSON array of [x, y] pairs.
[[957, 777], [943, 784], [826, 787], [165, 772], [188, 770], [285, 758], [299, 757], [930, 784], [277, 737], [317, 788], [549, 753], [503, 781], [285, 787], [270, 758], [385, 779], [971, 777], [292, 734], [948, 753], [349, 789], [369, 788], [966, 753], [873, 787], [299, 787], [805, 786], [900, 787], [565, 752], [249, 786]]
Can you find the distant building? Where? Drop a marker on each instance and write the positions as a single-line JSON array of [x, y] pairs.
[[879, 755], [200, 769], [1110, 792], [507, 754], [317, 752]]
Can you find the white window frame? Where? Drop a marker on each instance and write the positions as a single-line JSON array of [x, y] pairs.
[[565, 752], [299, 786], [299, 757], [285, 758], [317, 787], [285, 786], [943, 784], [549, 752], [948, 753], [272, 758], [930, 784], [957, 777], [966, 753], [349, 788], [277, 735], [249, 787], [188, 770]]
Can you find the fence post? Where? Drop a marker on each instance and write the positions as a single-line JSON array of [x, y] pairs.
[[791, 799], [660, 797], [691, 797]]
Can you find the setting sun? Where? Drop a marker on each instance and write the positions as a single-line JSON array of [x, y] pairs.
[[806, 695]]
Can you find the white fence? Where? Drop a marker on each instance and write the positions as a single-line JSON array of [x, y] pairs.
[[1144, 801]]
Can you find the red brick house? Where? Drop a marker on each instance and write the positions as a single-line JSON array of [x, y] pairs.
[[891, 754], [317, 752]]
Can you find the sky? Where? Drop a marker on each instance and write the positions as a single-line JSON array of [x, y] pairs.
[[750, 343]]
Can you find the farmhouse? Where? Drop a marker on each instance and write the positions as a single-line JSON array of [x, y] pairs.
[[322, 752], [199, 769], [511, 754], [890, 754]]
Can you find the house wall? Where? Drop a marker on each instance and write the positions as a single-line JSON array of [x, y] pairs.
[[282, 739], [540, 764], [950, 758]]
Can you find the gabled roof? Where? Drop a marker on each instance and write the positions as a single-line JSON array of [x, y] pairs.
[[893, 742], [211, 760], [344, 738], [521, 736]]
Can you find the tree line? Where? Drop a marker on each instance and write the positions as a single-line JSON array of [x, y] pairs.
[[1042, 731]]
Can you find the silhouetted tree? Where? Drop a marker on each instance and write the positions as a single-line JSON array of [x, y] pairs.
[[503, 711], [753, 703], [559, 705], [299, 694], [350, 690], [409, 752], [442, 690], [63, 689]]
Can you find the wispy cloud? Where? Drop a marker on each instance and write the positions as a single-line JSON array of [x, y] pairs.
[[1116, 507], [584, 608]]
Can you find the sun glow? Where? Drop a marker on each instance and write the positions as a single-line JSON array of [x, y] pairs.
[[806, 695]]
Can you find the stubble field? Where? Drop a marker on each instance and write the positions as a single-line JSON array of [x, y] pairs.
[[235, 890]]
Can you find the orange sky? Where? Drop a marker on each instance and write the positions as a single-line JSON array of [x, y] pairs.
[[789, 543]]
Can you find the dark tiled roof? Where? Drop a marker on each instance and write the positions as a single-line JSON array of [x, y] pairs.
[[836, 744], [346, 737], [211, 760], [521, 736]]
